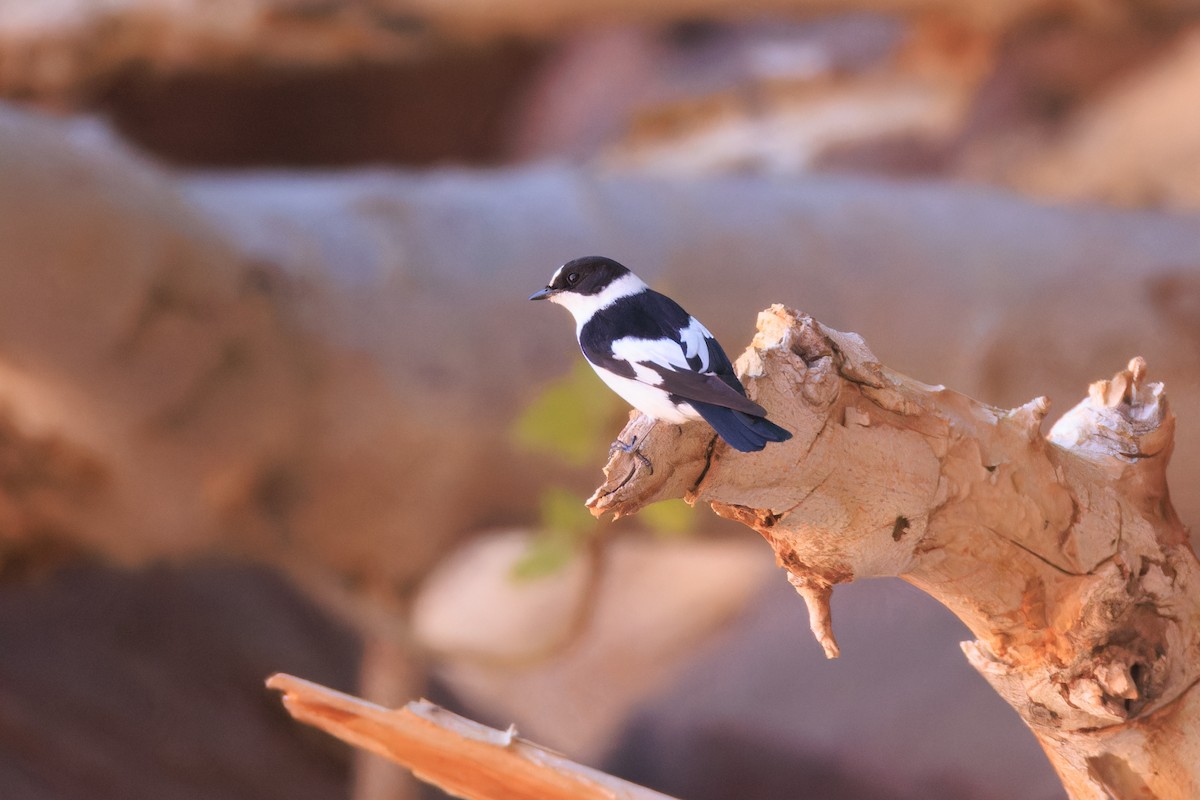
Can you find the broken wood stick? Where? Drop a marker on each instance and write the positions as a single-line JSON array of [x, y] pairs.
[[455, 754]]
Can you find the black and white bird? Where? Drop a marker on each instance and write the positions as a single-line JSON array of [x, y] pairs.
[[654, 354]]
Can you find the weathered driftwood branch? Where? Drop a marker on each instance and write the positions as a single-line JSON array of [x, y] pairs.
[[462, 757], [1061, 553]]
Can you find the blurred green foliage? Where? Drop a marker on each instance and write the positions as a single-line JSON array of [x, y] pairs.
[[564, 527], [669, 518], [574, 419]]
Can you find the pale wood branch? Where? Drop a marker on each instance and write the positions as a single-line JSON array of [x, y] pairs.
[[458, 755], [1062, 553]]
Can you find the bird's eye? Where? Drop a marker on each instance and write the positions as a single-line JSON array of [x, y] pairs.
[[573, 278]]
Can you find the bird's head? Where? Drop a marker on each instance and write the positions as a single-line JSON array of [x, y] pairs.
[[586, 282]]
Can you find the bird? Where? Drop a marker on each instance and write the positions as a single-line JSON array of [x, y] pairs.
[[655, 355]]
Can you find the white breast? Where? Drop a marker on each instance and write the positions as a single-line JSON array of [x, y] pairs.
[[651, 401]]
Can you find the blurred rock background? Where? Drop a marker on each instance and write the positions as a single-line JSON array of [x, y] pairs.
[[271, 397]]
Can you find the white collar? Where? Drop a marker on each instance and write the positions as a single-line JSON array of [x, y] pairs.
[[583, 306]]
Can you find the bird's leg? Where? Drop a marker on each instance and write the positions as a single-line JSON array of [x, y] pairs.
[[631, 448], [624, 447]]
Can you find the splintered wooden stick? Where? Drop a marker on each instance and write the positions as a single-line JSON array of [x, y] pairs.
[[455, 754]]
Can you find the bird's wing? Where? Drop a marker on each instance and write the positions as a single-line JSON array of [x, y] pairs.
[[705, 387], [668, 349]]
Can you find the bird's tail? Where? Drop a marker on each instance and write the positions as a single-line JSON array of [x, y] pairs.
[[742, 431]]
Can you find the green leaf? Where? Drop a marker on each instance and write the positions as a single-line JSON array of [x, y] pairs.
[[562, 510], [565, 527], [547, 553], [572, 418]]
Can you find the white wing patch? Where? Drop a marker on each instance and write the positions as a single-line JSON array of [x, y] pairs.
[[695, 342], [643, 390], [646, 375], [663, 352]]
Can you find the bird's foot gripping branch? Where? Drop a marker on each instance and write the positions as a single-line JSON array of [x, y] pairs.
[[1062, 553]]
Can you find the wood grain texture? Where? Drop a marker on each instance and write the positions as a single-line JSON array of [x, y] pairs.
[[1062, 553], [460, 756]]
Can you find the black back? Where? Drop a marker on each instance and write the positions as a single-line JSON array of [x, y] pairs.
[[650, 315], [647, 315]]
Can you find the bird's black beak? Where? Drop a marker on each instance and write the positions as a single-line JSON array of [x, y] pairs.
[[543, 294]]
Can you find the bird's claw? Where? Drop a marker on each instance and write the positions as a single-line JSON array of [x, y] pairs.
[[624, 447], [631, 448]]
